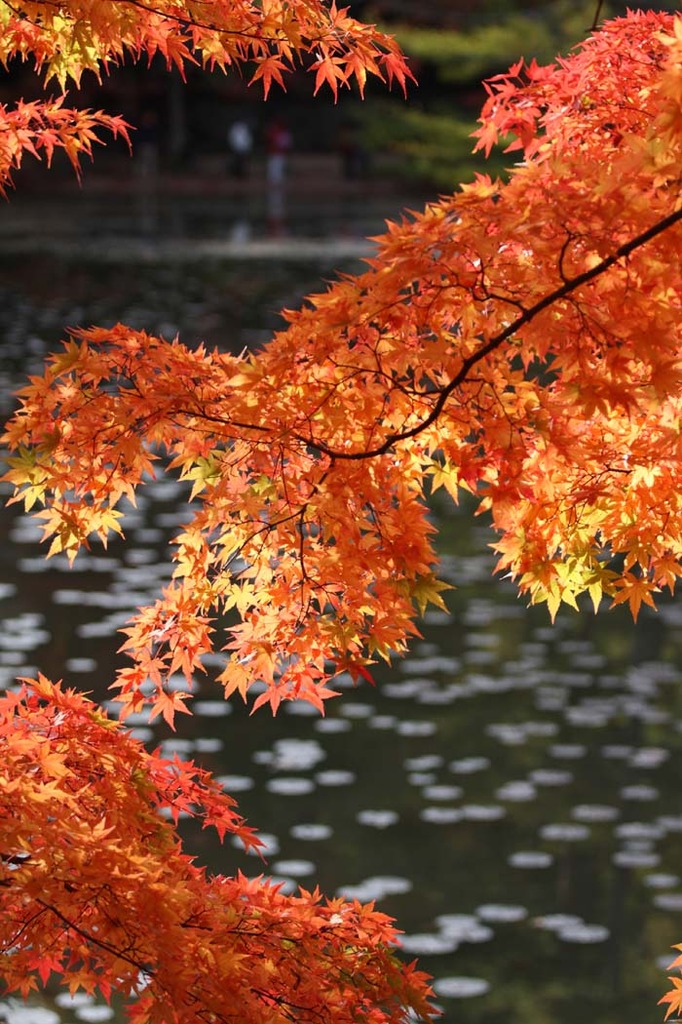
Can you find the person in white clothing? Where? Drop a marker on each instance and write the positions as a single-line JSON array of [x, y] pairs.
[[240, 141]]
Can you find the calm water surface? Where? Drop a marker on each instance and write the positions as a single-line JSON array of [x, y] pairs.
[[510, 792]]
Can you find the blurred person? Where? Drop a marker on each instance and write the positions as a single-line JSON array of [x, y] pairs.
[[240, 142], [278, 143]]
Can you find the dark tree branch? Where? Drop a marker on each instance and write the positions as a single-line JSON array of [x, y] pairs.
[[595, 24], [99, 943], [566, 289]]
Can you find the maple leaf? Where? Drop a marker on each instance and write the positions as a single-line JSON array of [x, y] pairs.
[[673, 998], [330, 70], [167, 704], [635, 590], [268, 70]]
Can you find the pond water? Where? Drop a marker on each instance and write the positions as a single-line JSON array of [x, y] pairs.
[[509, 792]]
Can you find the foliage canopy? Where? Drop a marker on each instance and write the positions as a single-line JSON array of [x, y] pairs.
[[517, 340]]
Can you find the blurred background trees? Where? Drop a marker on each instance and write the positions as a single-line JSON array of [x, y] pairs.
[[454, 46]]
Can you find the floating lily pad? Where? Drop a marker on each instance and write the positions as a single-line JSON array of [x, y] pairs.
[[425, 763], [583, 934], [669, 901], [460, 988], [208, 744], [464, 927], [483, 812], [236, 783], [555, 922], [670, 822], [416, 728], [640, 830], [501, 913], [310, 832], [509, 735], [531, 859], [376, 888], [422, 778], [212, 708], [290, 785], [567, 751], [550, 777], [335, 777], [333, 725], [660, 880], [354, 709], [382, 722], [95, 1014], [377, 819], [635, 859], [469, 765], [69, 1001], [565, 832], [595, 813], [296, 754], [402, 691], [295, 868], [78, 665], [441, 815], [517, 791], [428, 945], [14, 1014], [649, 757], [300, 708], [442, 792]]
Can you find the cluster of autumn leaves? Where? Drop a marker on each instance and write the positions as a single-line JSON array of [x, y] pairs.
[[96, 888], [518, 340], [271, 37]]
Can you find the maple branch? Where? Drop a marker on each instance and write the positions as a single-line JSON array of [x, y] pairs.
[[255, 35], [186, 23], [27, 924], [221, 421], [569, 286], [595, 24], [106, 946]]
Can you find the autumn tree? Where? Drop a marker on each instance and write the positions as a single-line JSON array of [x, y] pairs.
[[518, 340]]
